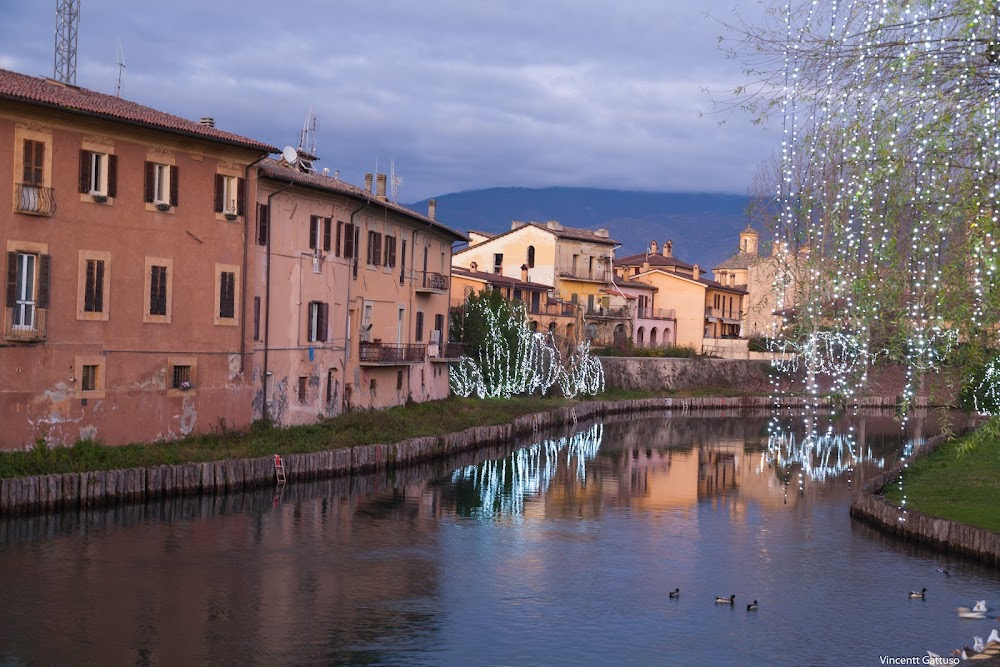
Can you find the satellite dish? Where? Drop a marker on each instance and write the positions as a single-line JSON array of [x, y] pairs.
[[289, 155]]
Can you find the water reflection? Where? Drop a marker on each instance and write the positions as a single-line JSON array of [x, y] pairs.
[[513, 555]]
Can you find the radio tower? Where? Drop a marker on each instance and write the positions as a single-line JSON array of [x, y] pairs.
[[67, 23]]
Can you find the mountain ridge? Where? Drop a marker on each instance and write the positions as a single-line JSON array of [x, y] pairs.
[[704, 227]]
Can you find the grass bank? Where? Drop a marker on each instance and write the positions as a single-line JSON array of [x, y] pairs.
[[357, 428], [957, 482]]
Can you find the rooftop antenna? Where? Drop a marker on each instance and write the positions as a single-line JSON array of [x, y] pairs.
[[394, 179], [121, 68], [67, 26], [307, 137]]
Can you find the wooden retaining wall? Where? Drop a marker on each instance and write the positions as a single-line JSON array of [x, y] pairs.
[[868, 505], [90, 489]]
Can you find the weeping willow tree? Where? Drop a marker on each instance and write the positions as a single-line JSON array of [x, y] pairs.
[[887, 191]]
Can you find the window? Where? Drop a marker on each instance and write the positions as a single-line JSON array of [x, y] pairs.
[[303, 384], [27, 289], [402, 262], [390, 251], [89, 371], [180, 378], [88, 377], [317, 322], [161, 184], [159, 276], [229, 195], [399, 380], [93, 280], [357, 244], [256, 318], [374, 248], [340, 234], [33, 172], [420, 326], [319, 232], [498, 263], [330, 383], [98, 173], [227, 295], [34, 163], [263, 223], [349, 238], [531, 257], [439, 326]]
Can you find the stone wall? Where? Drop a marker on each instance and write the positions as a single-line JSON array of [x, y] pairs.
[[668, 374]]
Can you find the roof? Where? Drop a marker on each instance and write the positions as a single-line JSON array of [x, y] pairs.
[[56, 95], [488, 235], [654, 260], [635, 284], [497, 279], [701, 281], [279, 171], [741, 260], [573, 233]]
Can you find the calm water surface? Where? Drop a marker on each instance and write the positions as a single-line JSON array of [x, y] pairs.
[[562, 552]]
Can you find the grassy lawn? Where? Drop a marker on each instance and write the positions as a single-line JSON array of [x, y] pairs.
[[954, 484]]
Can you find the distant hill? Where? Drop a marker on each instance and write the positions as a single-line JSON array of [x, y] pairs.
[[704, 227]]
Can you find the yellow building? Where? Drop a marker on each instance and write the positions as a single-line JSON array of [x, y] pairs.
[[574, 263]]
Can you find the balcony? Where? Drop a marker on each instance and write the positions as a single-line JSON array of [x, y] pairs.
[[433, 283], [553, 308], [598, 274], [446, 352], [34, 199], [657, 314], [611, 313], [391, 354], [31, 324], [723, 315]]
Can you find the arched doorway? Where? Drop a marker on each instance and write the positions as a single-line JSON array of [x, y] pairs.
[[640, 337], [652, 337]]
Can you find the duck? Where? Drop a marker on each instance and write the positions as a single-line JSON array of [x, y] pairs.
[[994, 637], [980, 606], [920, 595], [978, 645], [729, 600], [963, 653], [752, 607], [676, 593], [965, 612], [944, 571]]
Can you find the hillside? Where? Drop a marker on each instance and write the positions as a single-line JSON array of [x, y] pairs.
[[704, 227]]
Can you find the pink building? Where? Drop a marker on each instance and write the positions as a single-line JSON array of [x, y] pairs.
[[124, 227]]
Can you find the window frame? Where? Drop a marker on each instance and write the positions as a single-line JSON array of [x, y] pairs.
[[175, 362], [161, 183], [99, 364], [83, 278], [317, 322], [157, 318], [220, 270]]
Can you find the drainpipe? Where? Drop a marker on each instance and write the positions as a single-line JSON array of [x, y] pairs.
[[267, 299], [246, 259], [347, 303]]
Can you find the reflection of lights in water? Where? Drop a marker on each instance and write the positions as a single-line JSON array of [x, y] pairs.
[[818, 456], [503, 484]]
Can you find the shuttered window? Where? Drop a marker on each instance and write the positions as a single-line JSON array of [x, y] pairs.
[[34, 162], [93, 294], [227, 295], [158, 290]]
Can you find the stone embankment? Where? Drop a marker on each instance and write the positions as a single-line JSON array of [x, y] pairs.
[[868, 505], [89, 489]]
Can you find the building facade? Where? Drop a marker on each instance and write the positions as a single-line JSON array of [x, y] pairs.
[[124, 229]]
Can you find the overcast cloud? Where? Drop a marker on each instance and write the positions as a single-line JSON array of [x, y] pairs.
[[458, 95]]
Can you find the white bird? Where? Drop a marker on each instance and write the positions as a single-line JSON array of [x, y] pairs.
[[994, 637], [962, 653], [980, 606], [978, 645], [965, 612]]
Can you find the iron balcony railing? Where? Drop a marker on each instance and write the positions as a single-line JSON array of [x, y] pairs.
[[451, 350], [34, 199], [434, 281], [392, 353], [555, 308], [598, 273], [601, 311], [657, 313], [25, 325]]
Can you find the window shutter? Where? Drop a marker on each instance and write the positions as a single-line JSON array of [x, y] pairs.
[[323, 317], [340, 230], [241, 200], [29, 161], [173, 185], [371, 252], [327, 224], [256, 318], [312, 231], [88, 290], [150, 178], [161, 298], [39, 163], [220, 188], [313, 313], [99, 286], [263, 215], [85, 171], [349, 242], [44, 265], [112, 176], [11, 279], [377, 259]]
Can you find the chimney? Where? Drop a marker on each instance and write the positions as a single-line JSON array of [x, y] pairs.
[[207, 121], [431, 208], [653, 248], [553, 224], [524, 273], [368, 182], [668, 248], [696, 272], [514, 224], [602, 232], [380, 187], [336, 175], [473, 266]]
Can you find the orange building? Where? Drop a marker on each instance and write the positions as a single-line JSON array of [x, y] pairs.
[[124, 227]]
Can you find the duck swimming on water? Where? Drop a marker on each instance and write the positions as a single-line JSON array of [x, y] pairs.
[[752, 607], [676, 593], [919, 595], [729, 600]]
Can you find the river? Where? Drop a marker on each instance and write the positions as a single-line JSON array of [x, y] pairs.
[[562, 550]]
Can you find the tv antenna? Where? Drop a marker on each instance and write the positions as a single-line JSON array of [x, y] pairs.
[[307, 137], [67, 27], [120, 59], [394, 179]]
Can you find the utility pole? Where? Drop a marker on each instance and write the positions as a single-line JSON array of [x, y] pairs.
[[67, 25]]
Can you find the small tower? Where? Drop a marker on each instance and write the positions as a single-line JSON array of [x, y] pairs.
[[748, 240]]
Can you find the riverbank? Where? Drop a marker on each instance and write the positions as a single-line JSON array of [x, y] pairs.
[[951, 502], [317, 455]]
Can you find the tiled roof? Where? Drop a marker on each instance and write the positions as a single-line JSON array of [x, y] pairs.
[[281, 172], [701, 281], [56, 95], [635, 283], [654, 260], [741, 260], [574, 233], [489, 235], [497, 279], [720, 286]]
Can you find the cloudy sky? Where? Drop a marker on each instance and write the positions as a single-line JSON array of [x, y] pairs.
[[456, 94]]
